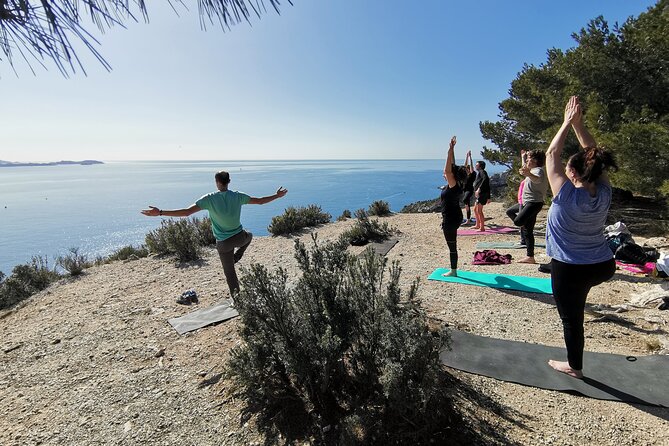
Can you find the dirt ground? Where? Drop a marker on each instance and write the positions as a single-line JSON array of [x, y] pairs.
[[92, 360]]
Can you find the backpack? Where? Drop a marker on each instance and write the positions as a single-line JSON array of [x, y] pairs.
[[632, 253]]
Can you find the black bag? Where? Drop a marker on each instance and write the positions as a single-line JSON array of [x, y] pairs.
[[633, 253], [545, 267], [616, 241]]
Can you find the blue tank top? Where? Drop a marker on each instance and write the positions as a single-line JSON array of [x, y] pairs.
[[575, 229]]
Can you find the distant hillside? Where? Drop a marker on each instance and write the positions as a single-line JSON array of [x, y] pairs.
[[53, 163]]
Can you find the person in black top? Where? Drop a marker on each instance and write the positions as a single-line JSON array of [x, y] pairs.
[[451, 213], [469, 187], [482, 192]]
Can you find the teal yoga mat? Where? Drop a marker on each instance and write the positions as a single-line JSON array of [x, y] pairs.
[[506, 245], [506, 282]]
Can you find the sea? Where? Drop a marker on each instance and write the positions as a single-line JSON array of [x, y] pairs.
[[47, 210]]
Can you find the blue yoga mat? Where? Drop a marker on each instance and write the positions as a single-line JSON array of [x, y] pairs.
[[518, 283]]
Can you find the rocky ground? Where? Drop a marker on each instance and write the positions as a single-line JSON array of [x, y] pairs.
[[92, 360]]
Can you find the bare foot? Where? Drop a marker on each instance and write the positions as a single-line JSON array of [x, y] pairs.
[[481, 229], [563, 366], [451, 273], [527, 260]]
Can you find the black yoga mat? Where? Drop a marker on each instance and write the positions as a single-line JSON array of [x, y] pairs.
[[634, 379]]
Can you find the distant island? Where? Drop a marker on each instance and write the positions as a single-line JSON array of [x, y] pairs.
[[53, 163]]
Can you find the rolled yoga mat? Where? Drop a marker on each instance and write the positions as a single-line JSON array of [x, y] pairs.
[[519, 283], [633, 379]]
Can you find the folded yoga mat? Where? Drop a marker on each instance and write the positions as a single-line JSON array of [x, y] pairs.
[[506, 245], [204, 317], [506, 282], [489, 230], [634, 379]]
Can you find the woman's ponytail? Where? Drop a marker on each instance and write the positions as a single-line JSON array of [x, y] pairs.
[[590, 163]]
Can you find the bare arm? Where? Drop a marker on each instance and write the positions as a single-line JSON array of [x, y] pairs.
[[468, 159], [153, 211], [585, 138], [449, 176], [280, 192], [527, 173], [554, 165], [583, 135]]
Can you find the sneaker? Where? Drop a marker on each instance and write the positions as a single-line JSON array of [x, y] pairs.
[[183, 300], [188, 297]]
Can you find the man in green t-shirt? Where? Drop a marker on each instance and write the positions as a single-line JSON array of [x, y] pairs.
[[225, 207]]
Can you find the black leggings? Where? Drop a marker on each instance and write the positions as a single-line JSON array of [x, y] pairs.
[[571, 285], [525, 216], [451, 234]]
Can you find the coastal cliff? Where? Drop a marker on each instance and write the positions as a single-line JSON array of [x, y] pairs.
[[92, 359], [53, 163]]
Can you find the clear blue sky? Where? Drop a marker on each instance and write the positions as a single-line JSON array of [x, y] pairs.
[[325, 79]]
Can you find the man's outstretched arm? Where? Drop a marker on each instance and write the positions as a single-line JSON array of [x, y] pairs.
[[280, 192], [153, 211]]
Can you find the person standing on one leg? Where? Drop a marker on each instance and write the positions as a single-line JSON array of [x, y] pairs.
[[482, 192], [451, 213], [512, 212], [534, 188], [469, 186], [225, 207], [575, 230]]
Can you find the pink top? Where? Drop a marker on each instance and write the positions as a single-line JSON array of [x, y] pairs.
[[520, 192]]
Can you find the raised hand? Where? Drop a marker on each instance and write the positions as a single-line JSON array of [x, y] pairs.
[[280, 192], [572, 111], [453, 141], [152, 211]]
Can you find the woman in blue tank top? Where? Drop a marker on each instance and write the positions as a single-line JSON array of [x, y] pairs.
[[575, 239]]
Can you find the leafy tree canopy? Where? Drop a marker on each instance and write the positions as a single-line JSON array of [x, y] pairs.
[[622, 78], [48, 30]]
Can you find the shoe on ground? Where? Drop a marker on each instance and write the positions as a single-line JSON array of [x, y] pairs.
[[182, 300], [188, 297]]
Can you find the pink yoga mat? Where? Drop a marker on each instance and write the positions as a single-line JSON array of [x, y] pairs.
[[489, 230], [638, 269]]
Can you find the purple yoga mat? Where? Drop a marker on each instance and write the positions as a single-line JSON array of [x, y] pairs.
[[489, 230]]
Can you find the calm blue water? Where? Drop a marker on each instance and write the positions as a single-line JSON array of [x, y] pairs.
[[47, 210]]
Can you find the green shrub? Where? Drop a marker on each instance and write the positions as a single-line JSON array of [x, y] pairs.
[[205, 233], [423, 207], [344, 347], [179, 237], [128, 252], [294, 219], [344, 215], [26, 280], [74, 263], [365, 230], [360, 214], [379, 208]]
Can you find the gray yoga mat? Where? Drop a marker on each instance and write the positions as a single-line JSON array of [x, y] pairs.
[[506, 245], [634, 379], [201, 318], [382, 248]]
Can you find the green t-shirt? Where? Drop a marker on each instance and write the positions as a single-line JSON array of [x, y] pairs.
[[225, 209]]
